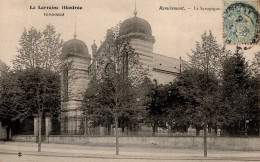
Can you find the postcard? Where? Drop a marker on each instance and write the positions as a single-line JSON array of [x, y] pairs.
[[165, 33]]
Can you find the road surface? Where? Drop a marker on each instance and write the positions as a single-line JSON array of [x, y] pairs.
[[82, 153]]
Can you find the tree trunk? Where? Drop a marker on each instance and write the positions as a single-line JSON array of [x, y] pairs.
[[109, 127], [245, 128], [197, 131], [40, 133], [155, 127], [257, 129], [205, 140], [216, 131], [7, 129], [85, 126], [123, 125], [209, 129], [117, 142], [127, 128]]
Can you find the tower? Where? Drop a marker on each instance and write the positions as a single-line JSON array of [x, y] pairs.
[[76, 60], [140, 32]]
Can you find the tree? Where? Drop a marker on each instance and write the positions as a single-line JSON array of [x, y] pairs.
[[41, 88], [240, 94], [253, 111], [28, 92], [117, 83], [255, 66], [40, 52], [208, 57], [3, 67], [177, 107], [208, 53], [157, 107], [39, 49], [10, 97], [196, 99]]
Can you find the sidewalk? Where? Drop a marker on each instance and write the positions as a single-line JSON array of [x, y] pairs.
[[126, 153]]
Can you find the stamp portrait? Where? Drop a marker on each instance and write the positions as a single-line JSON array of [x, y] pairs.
[[240, 22]]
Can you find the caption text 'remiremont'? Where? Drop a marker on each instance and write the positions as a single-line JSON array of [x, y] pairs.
[[195, 8]]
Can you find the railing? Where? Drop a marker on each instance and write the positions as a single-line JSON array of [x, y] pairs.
[[77, 126]]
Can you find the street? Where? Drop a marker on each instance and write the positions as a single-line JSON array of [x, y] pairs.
[[79, 153]]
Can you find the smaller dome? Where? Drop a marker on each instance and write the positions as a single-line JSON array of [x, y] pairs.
[[135, 25], [75, 47]]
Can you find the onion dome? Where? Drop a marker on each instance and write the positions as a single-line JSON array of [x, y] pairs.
[[75, 47], [135, 25]]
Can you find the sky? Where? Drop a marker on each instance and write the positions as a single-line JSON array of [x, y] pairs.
[[175, 31]]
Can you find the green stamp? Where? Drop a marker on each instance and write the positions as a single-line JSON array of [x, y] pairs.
[[241, 22]]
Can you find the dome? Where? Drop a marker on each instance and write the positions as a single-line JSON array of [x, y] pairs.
[[75, 47], [135, 25]]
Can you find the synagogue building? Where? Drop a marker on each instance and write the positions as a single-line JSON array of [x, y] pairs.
[[75, 80]]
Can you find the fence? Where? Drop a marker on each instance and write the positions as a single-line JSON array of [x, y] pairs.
[[26, 127], [78, 125]]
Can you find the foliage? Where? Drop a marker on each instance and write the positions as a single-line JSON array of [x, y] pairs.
[[157, 107], [3, 67], [199, 95], [240, 93], [208, 52], [206, 62], [39, 49], [120, 77], [117, 85], [177, 108], [255, 66], [28, 92], [10, 94], [42, 89]]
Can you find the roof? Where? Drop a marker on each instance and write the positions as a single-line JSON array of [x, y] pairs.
[[76, 47], [135, 25]]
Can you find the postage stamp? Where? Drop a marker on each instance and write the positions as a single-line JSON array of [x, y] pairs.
[[241, 22]]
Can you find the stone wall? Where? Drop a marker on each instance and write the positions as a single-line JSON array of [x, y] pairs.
[[214, 143]]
